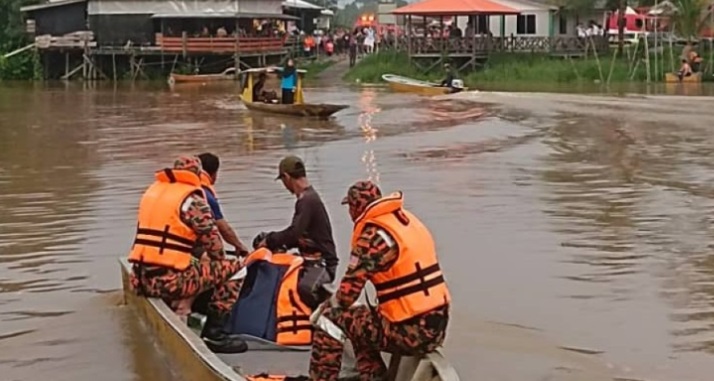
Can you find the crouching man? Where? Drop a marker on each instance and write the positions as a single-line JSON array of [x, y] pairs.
[[178, 253], [392, 249]]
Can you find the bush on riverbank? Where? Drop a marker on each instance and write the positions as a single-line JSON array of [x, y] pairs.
[[505, 68], [24, 66], [371, 68]]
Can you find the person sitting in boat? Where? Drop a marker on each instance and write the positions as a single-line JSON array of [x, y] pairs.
[[685, 70], [178, 252], [210, 164], [259, 92], [695, 61], [310, 231], [449, 76], [392, 249]]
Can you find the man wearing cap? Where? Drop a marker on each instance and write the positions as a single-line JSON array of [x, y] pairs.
[[310, 230], [392, 249]]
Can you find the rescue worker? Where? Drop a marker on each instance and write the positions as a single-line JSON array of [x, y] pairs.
[[392, 249], [178, 253], [210, 164], [310, 231]]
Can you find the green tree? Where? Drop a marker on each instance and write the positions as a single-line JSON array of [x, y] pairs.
[[13, 36], [691, 17]]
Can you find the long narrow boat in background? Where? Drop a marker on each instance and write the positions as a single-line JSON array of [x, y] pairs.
[[195, 361], [409, 85], [298, 108], [226, 75], [674, 78]]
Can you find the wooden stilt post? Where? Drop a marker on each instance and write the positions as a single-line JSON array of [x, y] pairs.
[[114, 66], [409, 37], [66, 63]]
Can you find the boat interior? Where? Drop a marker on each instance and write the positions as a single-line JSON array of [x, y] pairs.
[[179, 337], [271, 91]]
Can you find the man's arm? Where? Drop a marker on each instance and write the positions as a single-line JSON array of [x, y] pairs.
[[374, 251], [291, 235], [196, 213], [230, 236]]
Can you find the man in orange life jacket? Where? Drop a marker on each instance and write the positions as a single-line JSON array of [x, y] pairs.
[[209, 175], [178, 253], [392, 249]]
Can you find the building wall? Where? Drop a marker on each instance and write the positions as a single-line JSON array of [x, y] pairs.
[[60, 20], [542, 24], [117, 30]]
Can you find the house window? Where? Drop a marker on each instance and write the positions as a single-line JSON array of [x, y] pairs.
[[526, 24], [562, 23]]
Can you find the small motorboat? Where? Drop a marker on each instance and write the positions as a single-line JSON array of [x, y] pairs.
[[299, 108], [674, 78], [409, 85], [180, 340], [226, 75]]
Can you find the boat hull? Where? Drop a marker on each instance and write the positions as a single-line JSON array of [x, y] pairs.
[[322, 111], [673, 78], [196, 362], [409, 85]]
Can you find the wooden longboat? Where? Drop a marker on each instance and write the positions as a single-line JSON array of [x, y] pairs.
[[409, 85], [226, 75], [298, 108], [674, 78], [196, 362]]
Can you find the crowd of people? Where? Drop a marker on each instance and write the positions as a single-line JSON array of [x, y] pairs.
[[178, 255]]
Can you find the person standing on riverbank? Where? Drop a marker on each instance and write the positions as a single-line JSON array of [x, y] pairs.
[[392, 249], [178, 253]]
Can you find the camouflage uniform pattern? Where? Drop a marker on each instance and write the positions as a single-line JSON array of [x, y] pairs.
[[211, 271], [369, 332]]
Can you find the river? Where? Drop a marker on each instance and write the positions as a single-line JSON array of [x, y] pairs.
[[587, 227]]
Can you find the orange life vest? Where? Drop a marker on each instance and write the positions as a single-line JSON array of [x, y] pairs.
[[414, 284], [206, 182], [293, 316], [162, 238]]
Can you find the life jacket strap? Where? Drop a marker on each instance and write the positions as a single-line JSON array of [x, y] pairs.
[[184, 245], [419, 275]]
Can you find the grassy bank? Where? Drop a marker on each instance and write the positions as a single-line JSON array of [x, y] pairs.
[[514, 67], [315, 67]]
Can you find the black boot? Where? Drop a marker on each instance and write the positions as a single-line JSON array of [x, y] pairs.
[[217, 340]]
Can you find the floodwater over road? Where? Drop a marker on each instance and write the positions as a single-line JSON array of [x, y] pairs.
[[586, 226]]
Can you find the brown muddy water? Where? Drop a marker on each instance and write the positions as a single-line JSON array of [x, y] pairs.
[[586, 226]]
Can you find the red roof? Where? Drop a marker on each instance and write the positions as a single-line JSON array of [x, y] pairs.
[[455, 8]]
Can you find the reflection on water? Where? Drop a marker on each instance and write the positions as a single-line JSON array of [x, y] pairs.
[[595, 230], [366, 103]]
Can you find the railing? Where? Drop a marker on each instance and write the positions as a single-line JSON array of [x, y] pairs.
[[75, 40], [219, 44], [484, 44]]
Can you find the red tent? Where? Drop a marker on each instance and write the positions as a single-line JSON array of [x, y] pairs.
[[455, 8]]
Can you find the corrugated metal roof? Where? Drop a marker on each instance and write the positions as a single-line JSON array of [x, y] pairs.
[[454, 8], [51, 4]]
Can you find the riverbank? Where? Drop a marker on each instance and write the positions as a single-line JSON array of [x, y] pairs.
[[513, 67]]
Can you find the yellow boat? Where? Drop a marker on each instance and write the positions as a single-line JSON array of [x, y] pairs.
[[299, 108], [674, 78], [196, 362], [409, 85]]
